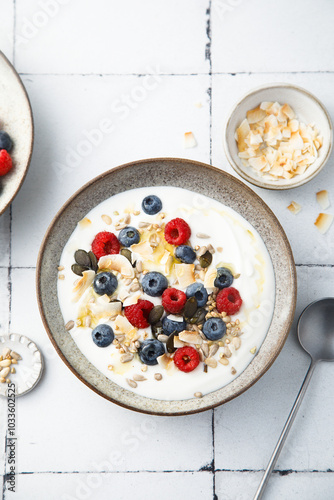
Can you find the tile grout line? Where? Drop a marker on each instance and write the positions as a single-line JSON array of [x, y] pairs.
[[283, 472], [214, 73]]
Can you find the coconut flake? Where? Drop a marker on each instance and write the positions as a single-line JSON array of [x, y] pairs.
[[323, 199], [294, 207], [324, 222], [189, 140]]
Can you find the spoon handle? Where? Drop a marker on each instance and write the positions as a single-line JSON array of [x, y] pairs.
[[284, 434]]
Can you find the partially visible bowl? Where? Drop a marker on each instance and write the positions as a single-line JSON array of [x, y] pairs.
[[308, 110], [200, 178], [16, 119]]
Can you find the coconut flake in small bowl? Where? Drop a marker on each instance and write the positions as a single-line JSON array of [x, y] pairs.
[[278, 136]]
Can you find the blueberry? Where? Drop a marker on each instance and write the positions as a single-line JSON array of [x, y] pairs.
[[151, 205], [170, 325], [185, 254], [224, 278], [154, 284], [150, 350], [129, 236], [5, 141], [105, 283], [214, 328], [103, 335], [197, 290]]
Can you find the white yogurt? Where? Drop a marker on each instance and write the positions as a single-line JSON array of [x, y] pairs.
[[243, 251]]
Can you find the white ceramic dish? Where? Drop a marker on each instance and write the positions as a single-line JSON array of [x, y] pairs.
[[308, 110], [16, 119]]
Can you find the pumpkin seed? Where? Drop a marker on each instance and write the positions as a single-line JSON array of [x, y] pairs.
[[157, 329], [155, 315], [170, 342], [126, 253], [93, 261], [82, 258], [198, 317], [78, 269], [205, 259], [190, 308]]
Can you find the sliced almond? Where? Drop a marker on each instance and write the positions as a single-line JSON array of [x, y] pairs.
[[323, 223]]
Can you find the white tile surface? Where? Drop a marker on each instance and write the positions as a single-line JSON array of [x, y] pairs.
[[145, 486], [4, 300], [4, 238], [296, 486], [247, 429], [112, 37], [99, 432], [154, 127], [6, 33], [66, 49], [308, 245], [256, 36]]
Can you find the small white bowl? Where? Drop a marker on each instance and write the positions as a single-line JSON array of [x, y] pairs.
[[308, 110]]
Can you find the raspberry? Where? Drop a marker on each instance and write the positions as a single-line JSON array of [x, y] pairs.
[[186, 359], [105, 243], [173, 300], [138, 313], [229, 300], [177, 232], [5, 162]]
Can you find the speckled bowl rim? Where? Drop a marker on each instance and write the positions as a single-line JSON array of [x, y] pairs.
[[19, 185], [285, 300], [258, 182]]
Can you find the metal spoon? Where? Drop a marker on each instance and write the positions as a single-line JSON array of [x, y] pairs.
[[316, 335]]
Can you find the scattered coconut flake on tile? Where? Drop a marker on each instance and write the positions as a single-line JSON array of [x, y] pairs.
[[323, 199], [273, 142], [324, 222], [294, 207], [189, 140], [198, 104]]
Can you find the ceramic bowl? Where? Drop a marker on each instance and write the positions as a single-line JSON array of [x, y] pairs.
[[200, 178], [308, 110], [16, 119]]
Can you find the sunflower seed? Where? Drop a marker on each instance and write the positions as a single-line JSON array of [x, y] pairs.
[[224, 361], [134, 287], [4, 363], [15, 355], [131, 383], [198, 395], [60, 268], [106, 219], [227, 352], [5, 352], [138, 378], [127, 218], [163, 338], [143, 224], [202, 235], [125, 358], [236, 342], [211, 362], [139, 266], [4, 372], [213, 349], [201, 251], [205, 349], [69, 325]]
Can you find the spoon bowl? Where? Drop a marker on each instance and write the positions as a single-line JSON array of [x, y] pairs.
[[316, 330]]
